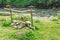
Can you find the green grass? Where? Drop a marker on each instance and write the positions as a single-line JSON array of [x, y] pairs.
[[6, 23], [44, 31]]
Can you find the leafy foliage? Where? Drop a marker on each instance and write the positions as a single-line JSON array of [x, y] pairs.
[[25, 18], [6, 23], [28, 2]]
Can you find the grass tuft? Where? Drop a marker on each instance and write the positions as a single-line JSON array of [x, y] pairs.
[[6, 23]]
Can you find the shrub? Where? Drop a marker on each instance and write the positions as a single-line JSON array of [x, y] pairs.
[[37, 21], [55, 20], [25, 18], [21, 17], [15, 17], [6, 23]]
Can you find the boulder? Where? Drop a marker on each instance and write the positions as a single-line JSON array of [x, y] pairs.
[[21, 24]]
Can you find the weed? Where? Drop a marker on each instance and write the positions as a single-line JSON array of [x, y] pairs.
[[6, 23]]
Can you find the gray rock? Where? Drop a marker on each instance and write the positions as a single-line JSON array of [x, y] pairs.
[[21, 24], [27, 23], [33, 28]]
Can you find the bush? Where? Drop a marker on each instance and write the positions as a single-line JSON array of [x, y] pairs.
[[6, 23], [21, 17], [15, 17], [55, 20], [25, 18], [37, 21]]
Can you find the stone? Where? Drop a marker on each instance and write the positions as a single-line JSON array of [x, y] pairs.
[[27, 23], [21, 24], [33, 28], [15, 26], [12, 24]]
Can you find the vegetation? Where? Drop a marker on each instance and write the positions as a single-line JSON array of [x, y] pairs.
[[49, 30], [23, 3], [6, 23], [44, 31], [58, 15]]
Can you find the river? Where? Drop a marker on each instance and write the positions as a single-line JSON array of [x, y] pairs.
[[36, 12]]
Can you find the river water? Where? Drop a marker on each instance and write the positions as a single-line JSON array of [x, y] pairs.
[[36, 12]]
